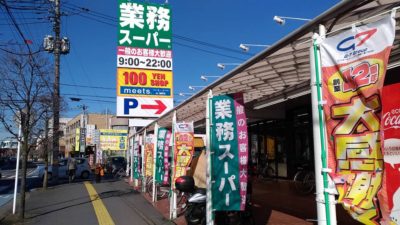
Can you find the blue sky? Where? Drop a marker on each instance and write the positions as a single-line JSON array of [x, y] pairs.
[[92, 60]]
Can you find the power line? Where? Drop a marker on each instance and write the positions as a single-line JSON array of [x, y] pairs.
[[114, 20], [207, 51], [86, 86], [95, 96], [14, 22], [95, 100]]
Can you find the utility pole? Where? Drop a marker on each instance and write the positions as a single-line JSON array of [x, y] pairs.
[[56, 94], [84, 131], [57, 46]]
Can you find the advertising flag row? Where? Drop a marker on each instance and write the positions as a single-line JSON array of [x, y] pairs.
[[229, 159], [144, 59], [363, 143], [183, 152]]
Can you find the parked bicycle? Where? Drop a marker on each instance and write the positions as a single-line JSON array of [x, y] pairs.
[[264, 169], [304, 180], [120, 173], [162, 190]]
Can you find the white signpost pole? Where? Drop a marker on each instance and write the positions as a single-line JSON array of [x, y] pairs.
[[17, 169], [172, 202], [209, 213], [143, 153], [154, 161]]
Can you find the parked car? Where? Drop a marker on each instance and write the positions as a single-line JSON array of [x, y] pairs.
[[11, 164], [82, 169], [115, 163]]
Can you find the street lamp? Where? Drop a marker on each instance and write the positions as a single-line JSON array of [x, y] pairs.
[[246, 48], [205, 78], [222, 65], [194, 87], [282, 19], [185, 94]]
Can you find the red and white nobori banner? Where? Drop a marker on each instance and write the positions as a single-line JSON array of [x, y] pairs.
[[166, 157], [354, 64], [389, 196]]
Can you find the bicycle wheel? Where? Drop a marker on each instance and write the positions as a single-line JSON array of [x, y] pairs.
[[120, 173], [309, 182], [304, 182], [268, 172], [181, 204], [162, 192], [149, 187]]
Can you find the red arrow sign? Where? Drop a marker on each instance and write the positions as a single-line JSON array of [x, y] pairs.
[[159, 106]]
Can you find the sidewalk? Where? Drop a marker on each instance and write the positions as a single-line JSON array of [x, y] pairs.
[[274, 203]]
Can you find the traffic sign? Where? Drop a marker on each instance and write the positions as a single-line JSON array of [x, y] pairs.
[[143, 107]]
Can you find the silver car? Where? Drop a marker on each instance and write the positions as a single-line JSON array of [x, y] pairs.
[[82, 169]]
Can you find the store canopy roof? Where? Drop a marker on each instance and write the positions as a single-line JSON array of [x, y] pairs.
[[282, 71]]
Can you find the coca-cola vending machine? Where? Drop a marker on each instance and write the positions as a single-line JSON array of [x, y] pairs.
[[390, 145]]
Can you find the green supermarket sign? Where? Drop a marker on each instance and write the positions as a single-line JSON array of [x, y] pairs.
[[144, 25]]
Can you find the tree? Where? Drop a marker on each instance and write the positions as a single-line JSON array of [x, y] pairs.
[[25, 80]]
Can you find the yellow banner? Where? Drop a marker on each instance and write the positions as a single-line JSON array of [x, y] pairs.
[[77, 138], [114, 140], [149, 148], [144, 83]]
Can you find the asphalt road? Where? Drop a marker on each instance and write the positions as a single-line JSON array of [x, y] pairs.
[[7, 182]]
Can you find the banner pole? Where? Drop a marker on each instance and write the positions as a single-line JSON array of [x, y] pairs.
[[319, 185], [135, 142], [132, 146], [328, 191], [324, 200], [209, 208], [154, 161], [172, 203], [143, 154]]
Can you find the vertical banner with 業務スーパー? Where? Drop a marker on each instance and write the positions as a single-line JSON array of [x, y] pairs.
[[144, 59], [148, 155], [354, 64], [184, 148], [161, 139], [229, 143], [136, 163]]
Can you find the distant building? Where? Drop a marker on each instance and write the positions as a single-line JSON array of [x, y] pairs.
[[63, 126], [93, 120], [93, 123], [8, 148]]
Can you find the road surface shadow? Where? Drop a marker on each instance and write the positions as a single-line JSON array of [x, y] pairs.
[[102, 195]]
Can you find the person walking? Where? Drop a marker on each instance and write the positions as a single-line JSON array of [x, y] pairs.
[[71, 165], [99, 172]]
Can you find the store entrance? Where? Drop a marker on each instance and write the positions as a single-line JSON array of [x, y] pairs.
[[268, 151]]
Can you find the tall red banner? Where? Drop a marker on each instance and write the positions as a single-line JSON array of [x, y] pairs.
[[389, 195], [184, 148], [353, 71]]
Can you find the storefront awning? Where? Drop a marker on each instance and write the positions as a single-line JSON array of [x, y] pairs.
[[282, 71]]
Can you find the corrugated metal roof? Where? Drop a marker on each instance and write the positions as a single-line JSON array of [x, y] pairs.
[[282, 69]]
